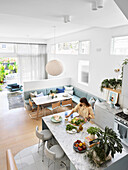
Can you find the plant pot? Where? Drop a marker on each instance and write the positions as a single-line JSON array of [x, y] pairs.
[[95, 158], [92, 136]]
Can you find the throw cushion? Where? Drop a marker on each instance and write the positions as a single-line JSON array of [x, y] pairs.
[[33, 94], [60, 90], [92, 102], [40, 94], [68, 88], [15, 86], [69, 92]]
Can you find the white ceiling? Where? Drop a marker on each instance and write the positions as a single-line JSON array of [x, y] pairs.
[[35, 18]]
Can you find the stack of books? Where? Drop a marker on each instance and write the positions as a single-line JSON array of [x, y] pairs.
[[89, 142]]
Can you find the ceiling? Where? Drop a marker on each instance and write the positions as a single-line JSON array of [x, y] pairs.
[[36, 18]]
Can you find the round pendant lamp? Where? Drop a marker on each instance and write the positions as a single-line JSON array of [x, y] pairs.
[[54, 67]]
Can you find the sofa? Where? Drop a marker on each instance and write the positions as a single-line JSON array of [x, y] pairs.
[[77, 94], [14, 87]]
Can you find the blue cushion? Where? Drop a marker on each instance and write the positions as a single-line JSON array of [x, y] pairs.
[[53, 89], [60, 90], [76, 99]]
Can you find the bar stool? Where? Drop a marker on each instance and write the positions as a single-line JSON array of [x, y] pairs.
[[55, 154], [43, 135]]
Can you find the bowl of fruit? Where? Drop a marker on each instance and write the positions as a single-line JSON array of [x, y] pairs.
[[79, 146]]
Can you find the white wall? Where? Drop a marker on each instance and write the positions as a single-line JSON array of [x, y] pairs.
[[46, 83], [102, 63]]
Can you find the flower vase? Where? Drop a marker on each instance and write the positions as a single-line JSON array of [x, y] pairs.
[[92, 136]]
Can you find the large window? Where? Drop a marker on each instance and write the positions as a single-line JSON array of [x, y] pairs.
[[119, 45], [83, 72], [67, 48], [84, 47], [74, 47]]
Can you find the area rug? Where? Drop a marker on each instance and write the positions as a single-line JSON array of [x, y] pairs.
[[15, 100]]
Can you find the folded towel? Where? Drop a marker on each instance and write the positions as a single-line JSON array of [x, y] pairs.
[[122, 131]]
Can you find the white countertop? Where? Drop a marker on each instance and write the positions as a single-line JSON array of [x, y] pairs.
[[47, 99], [66, 141], [107, 107]]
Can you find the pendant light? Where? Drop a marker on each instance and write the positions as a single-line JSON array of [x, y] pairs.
[[54, 67]]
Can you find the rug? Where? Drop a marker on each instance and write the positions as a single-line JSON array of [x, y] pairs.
[[15, 100]]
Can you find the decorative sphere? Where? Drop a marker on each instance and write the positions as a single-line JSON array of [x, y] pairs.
[[54, 67]]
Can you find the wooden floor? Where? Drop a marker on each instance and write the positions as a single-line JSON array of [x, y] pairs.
[[17, 129]]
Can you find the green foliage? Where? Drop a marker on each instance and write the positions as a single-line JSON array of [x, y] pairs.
[[109, 143], [125, 62], [110, 83], [92, 130]]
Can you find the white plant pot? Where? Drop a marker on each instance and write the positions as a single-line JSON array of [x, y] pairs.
[[92, 136]]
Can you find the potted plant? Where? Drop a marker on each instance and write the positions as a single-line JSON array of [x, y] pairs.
[[92, 131], [108, 145], [111, 83]]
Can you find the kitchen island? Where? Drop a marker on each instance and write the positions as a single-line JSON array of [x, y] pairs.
[[66, 140]]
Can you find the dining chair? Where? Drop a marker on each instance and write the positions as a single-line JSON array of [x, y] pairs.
[[55, 154], [67, 104], [32, 105], [43, 136], [55, 107]]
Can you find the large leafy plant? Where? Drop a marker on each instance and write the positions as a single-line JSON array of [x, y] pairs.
[[108, 143], [110, 83]]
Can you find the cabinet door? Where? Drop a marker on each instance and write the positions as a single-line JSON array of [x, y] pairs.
[[104, 118]]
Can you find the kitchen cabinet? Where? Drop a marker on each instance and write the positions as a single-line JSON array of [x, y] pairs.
[[104, 115]]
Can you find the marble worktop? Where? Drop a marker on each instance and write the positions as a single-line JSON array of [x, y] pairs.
[[66, 141]]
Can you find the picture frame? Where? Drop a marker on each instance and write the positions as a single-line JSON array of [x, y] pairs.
[[112, 97]]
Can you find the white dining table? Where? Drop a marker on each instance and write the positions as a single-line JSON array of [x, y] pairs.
[[48, 99]]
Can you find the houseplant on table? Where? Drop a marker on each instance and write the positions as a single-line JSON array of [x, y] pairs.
[[92, 131], [108, 145], [52, 94]]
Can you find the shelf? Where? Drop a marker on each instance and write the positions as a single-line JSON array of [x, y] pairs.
[[116, 91]]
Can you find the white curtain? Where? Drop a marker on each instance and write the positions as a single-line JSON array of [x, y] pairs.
[[31, 62]]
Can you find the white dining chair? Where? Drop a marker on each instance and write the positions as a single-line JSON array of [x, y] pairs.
[[43, 136], [55, 154]]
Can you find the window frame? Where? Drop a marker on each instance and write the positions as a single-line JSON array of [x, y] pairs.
[[80, 64], [112, 48]]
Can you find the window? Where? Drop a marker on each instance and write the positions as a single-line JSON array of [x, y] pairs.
[[6, 48], [83, 72], [119, 45], [67, 48], [84, 47]]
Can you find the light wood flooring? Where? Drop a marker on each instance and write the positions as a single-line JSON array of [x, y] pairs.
[[17, 129]]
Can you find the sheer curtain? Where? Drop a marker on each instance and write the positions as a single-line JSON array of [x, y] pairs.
[[31, 62]]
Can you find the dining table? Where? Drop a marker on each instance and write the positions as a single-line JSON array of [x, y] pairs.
[[78, 161], [43, 100]]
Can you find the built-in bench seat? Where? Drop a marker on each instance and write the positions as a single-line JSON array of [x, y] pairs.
[[77, 94]]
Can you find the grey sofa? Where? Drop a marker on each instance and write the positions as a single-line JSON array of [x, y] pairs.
[[77, 94]]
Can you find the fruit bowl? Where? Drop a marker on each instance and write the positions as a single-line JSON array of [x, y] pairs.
[[79, 146]]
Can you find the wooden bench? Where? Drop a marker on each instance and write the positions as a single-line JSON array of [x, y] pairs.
[[11, 164]]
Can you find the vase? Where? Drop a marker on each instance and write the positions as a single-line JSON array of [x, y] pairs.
[[92, 136]]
